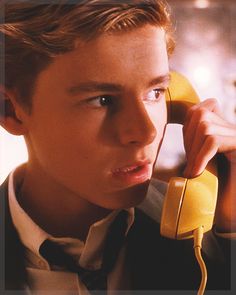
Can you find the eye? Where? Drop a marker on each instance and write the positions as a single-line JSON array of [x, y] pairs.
[[100, 101], [155, 94]]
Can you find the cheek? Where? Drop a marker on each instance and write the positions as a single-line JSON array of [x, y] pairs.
[[61, 146], [70, 150], [158, 115], [71, 159], [58, 140]]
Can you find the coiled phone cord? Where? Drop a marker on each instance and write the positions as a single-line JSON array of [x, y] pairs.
[[198, 236]]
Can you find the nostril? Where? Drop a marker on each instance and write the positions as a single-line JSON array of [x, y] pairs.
[[135, 126]]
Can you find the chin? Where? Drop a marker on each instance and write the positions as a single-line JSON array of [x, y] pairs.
[[128, 198]]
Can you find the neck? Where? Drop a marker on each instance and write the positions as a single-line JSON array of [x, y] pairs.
[[55, 209]]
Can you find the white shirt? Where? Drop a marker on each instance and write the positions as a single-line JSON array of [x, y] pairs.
[[43, 278]]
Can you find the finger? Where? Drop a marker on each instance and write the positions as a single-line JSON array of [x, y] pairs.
[[211, 145], [207, 129], [209, 104], [206, 153], [227, 145], [209, 119]]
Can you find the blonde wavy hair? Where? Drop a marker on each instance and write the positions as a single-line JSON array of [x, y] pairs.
[[32, 34]]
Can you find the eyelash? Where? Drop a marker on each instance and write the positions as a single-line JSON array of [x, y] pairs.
[[161, 92], [107, 100], [98, 99]]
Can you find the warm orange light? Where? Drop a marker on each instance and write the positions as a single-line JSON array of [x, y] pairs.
[[202, 75], [202, 3]]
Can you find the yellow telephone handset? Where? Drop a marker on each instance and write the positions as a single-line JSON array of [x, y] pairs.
[[189, 203]]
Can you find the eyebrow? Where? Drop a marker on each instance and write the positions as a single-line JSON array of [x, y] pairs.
[[160, 80], [93, 86]]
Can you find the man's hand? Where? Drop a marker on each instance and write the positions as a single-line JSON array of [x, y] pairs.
[[206, 133]]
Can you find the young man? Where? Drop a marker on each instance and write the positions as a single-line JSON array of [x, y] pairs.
[[85, 84]]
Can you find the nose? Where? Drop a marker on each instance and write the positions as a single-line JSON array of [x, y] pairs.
[[134, 125]]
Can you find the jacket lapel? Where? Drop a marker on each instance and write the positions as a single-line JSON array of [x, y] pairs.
[[157, 263], [14, 273]]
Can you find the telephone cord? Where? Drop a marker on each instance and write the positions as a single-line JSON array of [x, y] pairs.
[[198, 236]]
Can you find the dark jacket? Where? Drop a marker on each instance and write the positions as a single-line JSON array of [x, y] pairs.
[[155, 263]]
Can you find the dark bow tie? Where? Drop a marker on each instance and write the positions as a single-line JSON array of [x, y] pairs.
[[93, 279]]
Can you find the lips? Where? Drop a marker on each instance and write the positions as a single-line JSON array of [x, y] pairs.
[[127, 169], [134, 173]]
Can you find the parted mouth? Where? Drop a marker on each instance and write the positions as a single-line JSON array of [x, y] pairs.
[[135, 167], [136, 172], [127, 169]]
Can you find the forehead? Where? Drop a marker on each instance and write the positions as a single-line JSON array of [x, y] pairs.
[[136, 43], [110, 57]]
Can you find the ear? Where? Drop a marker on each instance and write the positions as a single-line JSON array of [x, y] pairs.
[[11, 113]]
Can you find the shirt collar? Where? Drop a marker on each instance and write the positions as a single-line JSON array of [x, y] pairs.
[[32, 235]]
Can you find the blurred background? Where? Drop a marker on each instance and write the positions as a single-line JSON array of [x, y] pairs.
[[205, 53]]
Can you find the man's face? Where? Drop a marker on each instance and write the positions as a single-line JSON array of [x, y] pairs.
[[99, 115]]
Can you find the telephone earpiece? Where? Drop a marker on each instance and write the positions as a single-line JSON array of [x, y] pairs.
[[189, 203]]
